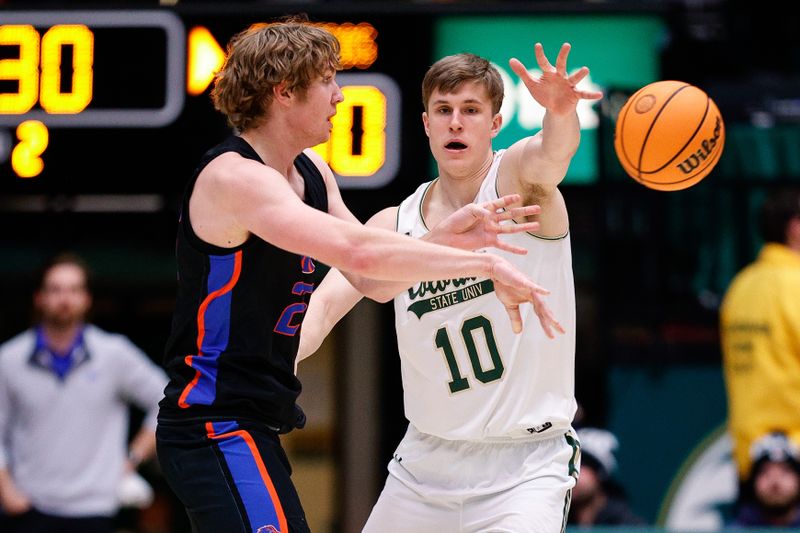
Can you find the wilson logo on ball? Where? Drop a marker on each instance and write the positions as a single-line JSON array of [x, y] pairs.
[[688, 165], [669, 135]]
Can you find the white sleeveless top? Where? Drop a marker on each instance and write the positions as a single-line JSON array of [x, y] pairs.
[[466, 374]]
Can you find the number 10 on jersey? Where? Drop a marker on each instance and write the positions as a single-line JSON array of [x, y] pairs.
[[468, 330]]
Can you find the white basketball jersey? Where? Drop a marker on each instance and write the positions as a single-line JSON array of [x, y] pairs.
[[466, 374]]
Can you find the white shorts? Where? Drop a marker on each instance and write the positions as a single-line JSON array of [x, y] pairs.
[[442, 486]]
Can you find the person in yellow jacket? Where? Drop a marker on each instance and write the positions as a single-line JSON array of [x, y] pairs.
[[760, 333]]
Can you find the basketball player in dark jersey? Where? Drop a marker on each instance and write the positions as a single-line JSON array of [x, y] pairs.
[[260, 209]]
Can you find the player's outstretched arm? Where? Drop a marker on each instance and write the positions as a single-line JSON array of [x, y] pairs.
[[552, 149], [534, 166], [259, 200], [472, 227], [329, 303]]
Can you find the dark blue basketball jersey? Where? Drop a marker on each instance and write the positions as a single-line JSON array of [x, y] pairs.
[[235, 330]]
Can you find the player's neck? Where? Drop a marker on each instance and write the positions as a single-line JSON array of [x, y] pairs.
[[457, 189], [275, 146]]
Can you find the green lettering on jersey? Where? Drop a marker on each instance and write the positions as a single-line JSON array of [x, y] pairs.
[[441, 301]]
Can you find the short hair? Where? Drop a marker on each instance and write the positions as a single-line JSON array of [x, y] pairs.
[[451, 72], [64, 258], [265, 55], [778, 210]]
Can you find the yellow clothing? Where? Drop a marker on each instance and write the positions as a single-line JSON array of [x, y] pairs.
[[760, 334]]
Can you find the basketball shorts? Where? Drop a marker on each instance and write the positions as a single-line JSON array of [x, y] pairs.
[[231, 477], [445, 486]]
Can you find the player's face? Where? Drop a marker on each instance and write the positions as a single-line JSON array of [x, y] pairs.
[[317, 106], [777, 485], [63, 299], [460, 127]]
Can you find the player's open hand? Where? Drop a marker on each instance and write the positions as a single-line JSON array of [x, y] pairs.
[[477, 226], [514, 289], [555, 90]]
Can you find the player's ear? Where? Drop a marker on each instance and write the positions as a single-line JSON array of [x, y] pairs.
[[425, 123], [281, 93], [497, 123]]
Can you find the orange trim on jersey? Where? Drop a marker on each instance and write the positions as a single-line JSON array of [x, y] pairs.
[[262, 469], [201, 324]]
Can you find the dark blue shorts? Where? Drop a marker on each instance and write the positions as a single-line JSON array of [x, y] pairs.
[[231, 476]]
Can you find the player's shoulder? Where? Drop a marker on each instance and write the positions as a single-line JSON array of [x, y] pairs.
[[231, 177], [315, 158], [385, 218], [419, 193], [229, 165], [320, 163]]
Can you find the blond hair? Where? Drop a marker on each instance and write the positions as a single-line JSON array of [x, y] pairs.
[[449, 73], [265, 55]]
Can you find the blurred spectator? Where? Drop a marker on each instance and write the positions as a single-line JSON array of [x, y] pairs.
[[771, 495], [760, 333], [597, 498], [64, 392]]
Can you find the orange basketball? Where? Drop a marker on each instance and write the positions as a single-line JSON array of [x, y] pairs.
[[669, 135]]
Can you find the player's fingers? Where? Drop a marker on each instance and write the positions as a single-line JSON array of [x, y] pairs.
[[518, 212], [537, 290], [518, 228], [548, 332], [501, 202], [544, 63], [500, 245], [546, 318], [590, 95], [561, 60], [552, 323], [515, 317], [576, 77], [520, 70]]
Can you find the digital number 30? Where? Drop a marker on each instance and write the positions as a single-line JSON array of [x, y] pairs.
[[37, 70]]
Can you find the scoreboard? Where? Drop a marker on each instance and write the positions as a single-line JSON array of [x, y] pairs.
[[117, 101], [98, 101]]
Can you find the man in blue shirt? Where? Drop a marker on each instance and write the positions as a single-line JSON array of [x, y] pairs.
[[65, 387]]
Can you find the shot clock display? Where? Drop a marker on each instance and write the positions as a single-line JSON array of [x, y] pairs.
[[111, 73]]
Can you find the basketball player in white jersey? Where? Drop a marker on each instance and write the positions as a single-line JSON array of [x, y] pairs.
[[489, 447]]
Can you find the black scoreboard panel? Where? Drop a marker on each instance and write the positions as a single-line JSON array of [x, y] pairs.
[[97, 102]]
